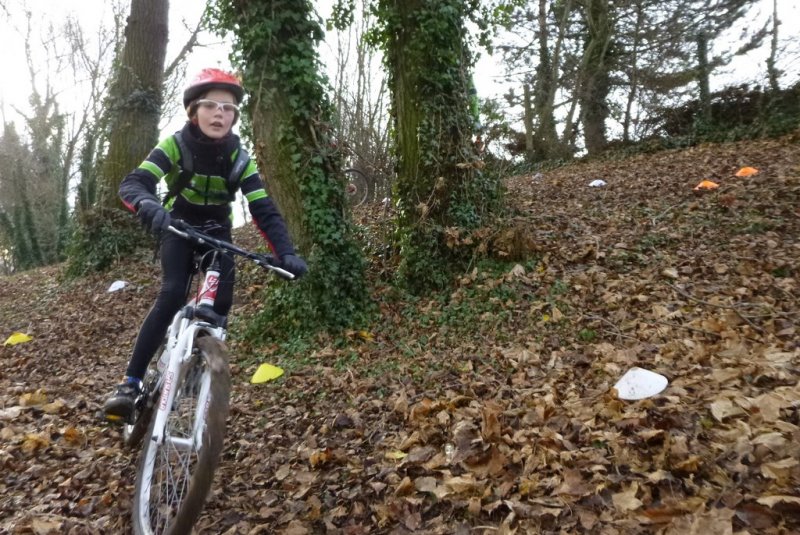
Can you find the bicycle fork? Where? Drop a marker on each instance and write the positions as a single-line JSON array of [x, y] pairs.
[[171, 381]]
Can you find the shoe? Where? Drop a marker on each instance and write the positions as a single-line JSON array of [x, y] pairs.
[[119, 407]]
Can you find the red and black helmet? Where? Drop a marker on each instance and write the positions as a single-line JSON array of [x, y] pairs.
[[209, 79]]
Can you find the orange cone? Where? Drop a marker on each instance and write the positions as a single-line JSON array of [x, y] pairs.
[[746, 171], [706, 184]]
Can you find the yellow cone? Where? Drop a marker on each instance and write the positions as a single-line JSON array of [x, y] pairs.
[[266, 372], [17, 338]]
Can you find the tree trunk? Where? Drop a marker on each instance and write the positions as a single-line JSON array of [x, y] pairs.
[[703, 74], [546, 85], [440, 194], [135, 95], [527, 119], [634, 73], [772, 70], [290, 118], [596, 82]]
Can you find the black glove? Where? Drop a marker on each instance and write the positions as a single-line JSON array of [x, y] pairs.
[[153, 216], [293, 264]]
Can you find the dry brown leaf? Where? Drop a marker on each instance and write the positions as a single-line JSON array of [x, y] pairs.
[[627, 500], [690, 465], [29, 399], [490, 422], [724, 408], [33, 442], [295, 527], [10, 413], [774, 441], [319, 457], [459, 484], [54, 407], [769, 406], [74, 437], [426, 484], [670, 273], [574, 484], [46, 526], [779, 470], [405, 487], [772, 501], [713, 522]]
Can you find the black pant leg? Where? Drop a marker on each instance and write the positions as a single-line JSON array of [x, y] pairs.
[[227, 274], [176, 266]]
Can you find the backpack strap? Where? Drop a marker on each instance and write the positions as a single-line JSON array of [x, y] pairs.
[[242, 159], [187, 170]]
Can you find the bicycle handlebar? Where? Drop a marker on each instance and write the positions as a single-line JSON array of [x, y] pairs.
[[188, 232]]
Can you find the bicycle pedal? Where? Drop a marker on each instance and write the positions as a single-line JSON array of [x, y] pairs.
[[115, 419]]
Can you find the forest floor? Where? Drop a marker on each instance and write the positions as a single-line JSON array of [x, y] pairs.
[[488, 408]]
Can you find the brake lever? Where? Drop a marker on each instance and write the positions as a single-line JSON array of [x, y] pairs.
[[265, 262]]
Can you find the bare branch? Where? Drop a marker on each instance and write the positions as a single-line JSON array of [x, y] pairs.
[[188, 46]]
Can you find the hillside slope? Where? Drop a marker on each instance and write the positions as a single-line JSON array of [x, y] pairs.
[[487, 409]]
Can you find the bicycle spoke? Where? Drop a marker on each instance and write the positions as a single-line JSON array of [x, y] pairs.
[[177, 456]]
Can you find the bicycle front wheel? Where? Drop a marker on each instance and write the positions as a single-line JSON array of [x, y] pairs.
[[176, 471]]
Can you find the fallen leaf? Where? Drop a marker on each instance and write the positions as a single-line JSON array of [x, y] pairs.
[[33, 398], [426, 484], [490, 422], [405, 487], [574, 484], [10, 413], [670, 273], [54, 407], [772, 501], [295, 527], [34, 442], [459, 484], [46, 526], [724, 408], [774, 441], [779, 470], [17, 338], [320, 457], [73, 436], [627, 500]]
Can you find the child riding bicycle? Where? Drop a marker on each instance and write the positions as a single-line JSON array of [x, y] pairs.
[[203, 166]]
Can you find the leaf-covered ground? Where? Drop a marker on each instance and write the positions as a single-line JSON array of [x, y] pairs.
[[487, 409]]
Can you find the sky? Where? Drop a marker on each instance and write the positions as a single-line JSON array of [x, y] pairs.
[[491, 82]]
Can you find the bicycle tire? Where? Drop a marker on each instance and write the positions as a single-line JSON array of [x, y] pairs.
[[357, 186], [179, 501]]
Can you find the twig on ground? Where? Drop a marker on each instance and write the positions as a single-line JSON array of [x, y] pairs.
[[617, 330], [735, 308]]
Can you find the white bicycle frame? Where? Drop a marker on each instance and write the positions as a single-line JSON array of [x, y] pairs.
[[181, 339], [181, 335], [180, 343]]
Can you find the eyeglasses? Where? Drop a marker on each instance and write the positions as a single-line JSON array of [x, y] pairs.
[[212, 105]]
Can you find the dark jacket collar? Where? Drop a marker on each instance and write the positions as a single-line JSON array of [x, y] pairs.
[[211, 156]]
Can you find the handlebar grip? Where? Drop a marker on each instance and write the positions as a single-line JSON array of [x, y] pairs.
[[268, 262]]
